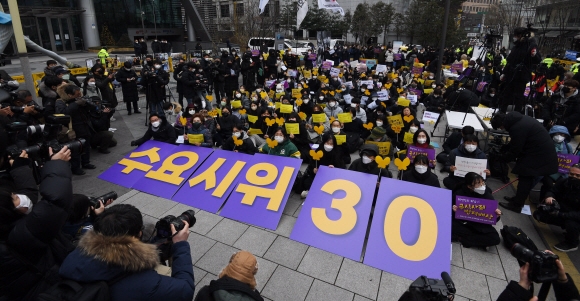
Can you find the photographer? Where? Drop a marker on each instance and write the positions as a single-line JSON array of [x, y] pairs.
[[128, 79], [32, 245], [47, 90], [155, 80], [105, 85], [190, 81], [563, 108], [533, 150], [113, 250], [561, 207], [70, 103], [29, 113], [102, 138], [82, 215]]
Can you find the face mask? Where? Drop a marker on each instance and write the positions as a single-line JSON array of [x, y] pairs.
[[421, 169], [515, 39], [558, 138], [224, 103], [254, 108], [280, 139], [169, 112], [314, 77], [25, 202], [413, 129], [328, 148], [480, 190], [157, 66], [155, 124], [225, 114], [343, 89], [332, 104], [237, 134], [433, 86], [258, 90], [321, 97], [421, 140], [363, 90], [66, 76], [305, 101], [191, 112], [379, 123], [491, 95], [394, 80], [92, 84], [196, 125], [366, 160], [353, 105], [566, 90], [430, 77], [128, 69], [470, 148], [335, 130], [238, 95]]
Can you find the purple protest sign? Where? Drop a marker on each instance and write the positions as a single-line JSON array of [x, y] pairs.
[[413, 151], [255, 52], [457, 68], [148, 156], [336, 212], [416, 91], [565, 161], [397, 56], [476, 210], [262, 192], [326, 65], [411, 230], [312, 56], [417, 70], [211, 184], [176, 168]]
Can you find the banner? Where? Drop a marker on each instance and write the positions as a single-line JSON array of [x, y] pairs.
[[430, 117], [384, 147], [262, 5], [476, 210], [302, 11], [565, 161], [331, 5], [396, 120], [292, 128], [465, 165]]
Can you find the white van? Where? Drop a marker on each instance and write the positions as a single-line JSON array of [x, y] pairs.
[[256, 43]]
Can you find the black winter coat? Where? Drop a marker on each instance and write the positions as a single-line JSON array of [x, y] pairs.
[[176, 74], [79, 114], [569, 113], [530, 145], [428, 178], [187, 82], [155, 81], [227, 285], [371, 168], [129, 87], [37, 237], [247, 146], [105, 85], [568, 196], [165, 133], [520, 61]]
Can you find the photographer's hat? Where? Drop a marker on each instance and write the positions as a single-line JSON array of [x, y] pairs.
[[243, 267]]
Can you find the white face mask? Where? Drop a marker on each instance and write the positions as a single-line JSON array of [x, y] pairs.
[[254, 108], [413, 129], [394, 80], [362, 90], [258, 90], [430, 77], [470, 148], [25, 202], [375, 98], [157, 66], [280, 139], [558, 138], [321, 97], [433, 86], [238, 95], [92, 84], [421, 169], [155, 124], [328, 148], [237, 134], [480, 190], [366, 160], [128, 69], [314, 77], [421, 140], [332, 104], [305, 101], [335, 130], [191, 112], [223, 103], [353, 105], [491, 95], [379, 123]]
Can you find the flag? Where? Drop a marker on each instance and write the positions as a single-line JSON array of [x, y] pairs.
[[263, 4], [302, 11], [331, 5]]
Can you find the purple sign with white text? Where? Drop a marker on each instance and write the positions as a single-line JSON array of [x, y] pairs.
[[565, 161], [411, 230], [413, 151], [336, 212], [476, 210], [262, 192], [211, 184], [176, 168], [134, 166]]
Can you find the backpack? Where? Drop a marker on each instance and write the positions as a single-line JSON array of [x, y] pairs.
[[513, 235], [69, 290]]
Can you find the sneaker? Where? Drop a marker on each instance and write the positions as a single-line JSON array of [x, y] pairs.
[[304, 194], [565, 247]]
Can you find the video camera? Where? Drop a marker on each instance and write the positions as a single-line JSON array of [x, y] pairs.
[[543, 266], [96, 202], [432, 289], [163, 226]]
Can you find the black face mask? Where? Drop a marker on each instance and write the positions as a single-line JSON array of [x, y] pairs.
[[225, 114], [574, 182], [566, 90], [196, 125], [150, 63]]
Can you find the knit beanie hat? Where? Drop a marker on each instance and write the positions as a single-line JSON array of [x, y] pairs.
[[243, 267]]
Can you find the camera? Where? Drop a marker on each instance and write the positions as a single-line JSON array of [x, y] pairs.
[[103, 198], [41, 149], [554, 207], [543, 266], [163, 226], [432, 289]]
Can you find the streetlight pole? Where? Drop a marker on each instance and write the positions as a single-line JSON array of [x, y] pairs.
[[154, 18], [142, 22], [442, 44]]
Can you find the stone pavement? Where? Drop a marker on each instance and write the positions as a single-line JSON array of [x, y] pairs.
[[289, 270]]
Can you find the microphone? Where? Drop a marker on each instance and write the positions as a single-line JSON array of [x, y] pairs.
[[448, 282]]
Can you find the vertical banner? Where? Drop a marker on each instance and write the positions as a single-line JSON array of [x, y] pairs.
[[262, 5], [336, 212], [262, 192], [411, 230], [134, 166], [331, 5], [211, 184], [302, 11], [176, 168]]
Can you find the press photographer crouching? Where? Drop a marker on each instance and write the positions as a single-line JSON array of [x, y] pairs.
[[83, 212], [113, 252], [561, 207], [32, 245]]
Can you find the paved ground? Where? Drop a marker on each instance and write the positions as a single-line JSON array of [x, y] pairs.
[[290, 270]]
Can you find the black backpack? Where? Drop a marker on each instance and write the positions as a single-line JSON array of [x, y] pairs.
[[513, 235], [70, 290]]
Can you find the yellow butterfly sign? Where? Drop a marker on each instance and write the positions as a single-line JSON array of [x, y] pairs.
[[302, 115], [280, 121], [369, 126], [271, 143], [402, 164], [409, 118], [319, 129], [182, 120], [382, 163], [315, 155], [237, 142], [270, 122]]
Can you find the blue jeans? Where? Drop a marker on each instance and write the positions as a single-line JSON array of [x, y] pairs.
[[156, 108]]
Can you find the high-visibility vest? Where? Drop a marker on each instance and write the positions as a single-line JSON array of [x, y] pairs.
[[103, 54], [575, 68], [548, 61]]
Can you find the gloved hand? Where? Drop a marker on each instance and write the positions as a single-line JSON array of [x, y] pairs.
[[81, 101], [134, 143]]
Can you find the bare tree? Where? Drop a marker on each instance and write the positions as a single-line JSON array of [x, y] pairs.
[[246, 22]]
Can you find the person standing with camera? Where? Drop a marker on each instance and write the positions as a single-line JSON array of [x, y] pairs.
[[113, 251], [105, 85], [561, 207], [128, 79], [71, 103], [563, 108], [155, 80]]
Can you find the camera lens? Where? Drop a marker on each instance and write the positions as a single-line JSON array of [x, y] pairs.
[[33, 129], [189, 217], [522, 253]]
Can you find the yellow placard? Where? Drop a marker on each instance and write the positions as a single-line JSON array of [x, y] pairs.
[[403, 102], [263, 94], [209, 97], [427, 91], [408, 138], [319, 118], [279, 95], [307, 74], [396, 120], [252, 118], [195, 138], [345, 117], [286, 109], [428, 82], [277, 105], [384, 147], [292, 128], [236, 104], [296, 93], [255, 132], [340, 139], [271, 94]]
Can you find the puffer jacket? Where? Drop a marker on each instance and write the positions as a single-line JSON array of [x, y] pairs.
[[78, 114]]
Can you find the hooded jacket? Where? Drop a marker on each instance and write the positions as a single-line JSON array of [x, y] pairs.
[[78, 114], [103, 258]]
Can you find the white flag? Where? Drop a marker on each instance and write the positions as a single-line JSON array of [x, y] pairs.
[[263, 4], [331, 5], [302, 11]]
